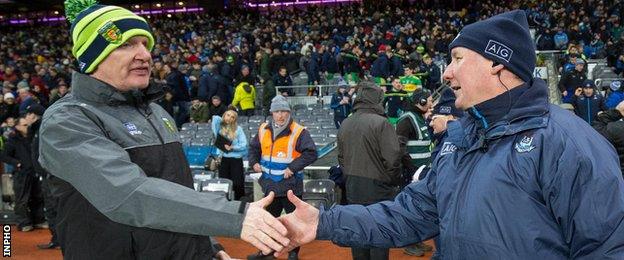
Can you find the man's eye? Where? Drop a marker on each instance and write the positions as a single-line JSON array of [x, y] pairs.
[[125, 45]]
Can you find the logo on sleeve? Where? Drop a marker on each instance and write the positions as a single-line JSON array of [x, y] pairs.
[[525, 145], [447, 148], [132, 129], [499, 50], [169, 125]]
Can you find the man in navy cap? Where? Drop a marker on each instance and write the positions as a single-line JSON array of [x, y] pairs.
[[587, 102], [517, 178]]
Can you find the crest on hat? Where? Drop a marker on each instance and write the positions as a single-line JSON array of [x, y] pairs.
[[111, 32]]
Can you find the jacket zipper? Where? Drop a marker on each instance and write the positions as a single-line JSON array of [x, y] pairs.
[[146, 115]]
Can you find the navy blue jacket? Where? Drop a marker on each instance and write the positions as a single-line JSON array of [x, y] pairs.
[[381, 67], [209, 85], [340, 111], [536, 184], [314, 68], [328, 62], [588, 107], [397, 67]]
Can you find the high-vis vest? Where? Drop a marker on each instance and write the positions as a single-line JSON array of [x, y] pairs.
[[419, 149], [277, 154]]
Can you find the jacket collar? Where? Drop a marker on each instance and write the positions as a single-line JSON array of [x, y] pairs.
[[529, 110], [286, 130], [91, 89]]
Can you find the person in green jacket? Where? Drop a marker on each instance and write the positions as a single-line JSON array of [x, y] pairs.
[[199, 111], [245, 95], [410, 81]]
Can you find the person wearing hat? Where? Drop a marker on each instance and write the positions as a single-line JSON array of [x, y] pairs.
[[124, 187], [415, 142], [516, 178], [369, 155], [616, 94], [280, 151], [587, 102], [380, 68], [341, 103], [245, 96], [12, 108], [570, 81]]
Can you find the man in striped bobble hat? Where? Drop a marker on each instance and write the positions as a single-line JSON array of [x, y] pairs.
[[124, 186]]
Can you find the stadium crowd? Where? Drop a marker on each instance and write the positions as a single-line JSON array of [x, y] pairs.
[[211, 62]]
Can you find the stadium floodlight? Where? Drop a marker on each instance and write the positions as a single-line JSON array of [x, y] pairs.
[[180, 3], [168, 15], [137, 6], [158, 5], [56, 12]]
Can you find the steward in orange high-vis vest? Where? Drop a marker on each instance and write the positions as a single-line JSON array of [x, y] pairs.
[[281, 150]]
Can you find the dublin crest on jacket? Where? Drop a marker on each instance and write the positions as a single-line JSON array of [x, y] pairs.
[[525, 145]]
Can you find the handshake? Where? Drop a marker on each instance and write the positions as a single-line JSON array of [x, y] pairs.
[[279, 235]]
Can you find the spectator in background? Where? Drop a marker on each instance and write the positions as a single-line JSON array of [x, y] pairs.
[[12, 108], [28, 198], [610, 125], [60, 92], [587, 102], [381, 66], [283, 79], [570, 81], [560, 39], [395, 101], [616, 94], [280, 151], [231, 166], [313, 69], [415, 143], [181, 95], [369, 155], [166, 102], [410, 81], [216, 108], [341, 104], [245, 96], [199, 111], [433, 80], [209, 83]]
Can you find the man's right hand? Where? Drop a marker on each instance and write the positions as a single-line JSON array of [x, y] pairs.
[[301, 223], [263, 230], [578, 92], [257, 168], [565, 93]]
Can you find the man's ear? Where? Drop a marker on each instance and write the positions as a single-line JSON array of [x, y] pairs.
[[496, 68]]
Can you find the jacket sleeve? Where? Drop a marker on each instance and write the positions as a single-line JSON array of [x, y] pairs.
[[305, 145], [215, 124], [8, 153], [585, 195], [601, 124], [410, 218], [237, 95], [563, 82], [76, 150], [390, 151], [335, 102], [241, 141], [254, 150]]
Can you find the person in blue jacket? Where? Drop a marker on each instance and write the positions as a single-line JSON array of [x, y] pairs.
[[587, 102], [231, 166], [616, 96], [517, 178], [341, 104]]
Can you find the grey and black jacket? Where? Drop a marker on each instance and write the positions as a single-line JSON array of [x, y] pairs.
[[123, 182]]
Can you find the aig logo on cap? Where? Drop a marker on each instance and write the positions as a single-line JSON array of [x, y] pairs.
[[499, 50]]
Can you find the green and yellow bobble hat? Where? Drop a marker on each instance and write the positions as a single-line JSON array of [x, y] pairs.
[[97, 30]]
